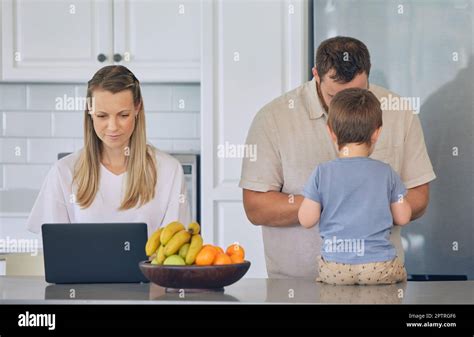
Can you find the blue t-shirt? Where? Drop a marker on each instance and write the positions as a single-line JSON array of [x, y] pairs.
[[355, 194]]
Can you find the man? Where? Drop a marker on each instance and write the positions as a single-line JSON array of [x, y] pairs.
[[291, 138]]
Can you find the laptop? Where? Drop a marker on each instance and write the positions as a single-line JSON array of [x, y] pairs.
[[94, 252]]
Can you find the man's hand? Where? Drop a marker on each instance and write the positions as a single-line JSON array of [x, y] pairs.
[[418, 198], [272, 208]]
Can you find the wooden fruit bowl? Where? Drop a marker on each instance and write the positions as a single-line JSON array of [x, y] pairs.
[[194, 277]]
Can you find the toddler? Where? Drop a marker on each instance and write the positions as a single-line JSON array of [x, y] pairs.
[[356, 199]]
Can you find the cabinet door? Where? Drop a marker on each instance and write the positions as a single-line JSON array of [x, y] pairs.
[[253, 51], [159, 40], [55, 40]]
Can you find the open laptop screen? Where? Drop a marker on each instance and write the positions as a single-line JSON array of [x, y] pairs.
[[94, 252]]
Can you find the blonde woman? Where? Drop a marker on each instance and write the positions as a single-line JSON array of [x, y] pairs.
[[116, 176]]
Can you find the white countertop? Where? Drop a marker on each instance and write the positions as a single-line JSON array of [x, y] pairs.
[[34, 290]]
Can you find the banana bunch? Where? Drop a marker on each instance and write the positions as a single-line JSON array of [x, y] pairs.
[[174, 244]]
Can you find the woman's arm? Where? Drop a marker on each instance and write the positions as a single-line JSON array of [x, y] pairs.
[[309, 213], [50, 205]]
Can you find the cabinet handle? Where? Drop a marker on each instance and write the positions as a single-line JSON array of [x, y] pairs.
[[101, 57], [117, 57]]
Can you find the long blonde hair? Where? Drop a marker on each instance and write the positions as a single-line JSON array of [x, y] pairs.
[[141, 164]]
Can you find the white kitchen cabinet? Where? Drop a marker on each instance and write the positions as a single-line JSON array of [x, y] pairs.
[[159, 40], [253, 51], [67, 41], [54, 40]]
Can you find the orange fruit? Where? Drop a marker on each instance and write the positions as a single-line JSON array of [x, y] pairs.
[[236, 258], [206, 256], [236, 249], [211, 247], [222, 258], [219, 249]]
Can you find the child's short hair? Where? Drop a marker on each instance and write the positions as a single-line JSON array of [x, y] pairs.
[[354, 115]]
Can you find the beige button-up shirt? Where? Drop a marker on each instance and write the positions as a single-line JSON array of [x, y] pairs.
[[291, 138]]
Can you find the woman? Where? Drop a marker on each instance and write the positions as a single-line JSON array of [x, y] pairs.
[[116, 176]]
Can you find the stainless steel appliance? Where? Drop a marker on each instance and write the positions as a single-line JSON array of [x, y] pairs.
[[190, 163]]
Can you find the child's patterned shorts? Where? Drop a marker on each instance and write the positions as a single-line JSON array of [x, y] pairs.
[[387, 272]]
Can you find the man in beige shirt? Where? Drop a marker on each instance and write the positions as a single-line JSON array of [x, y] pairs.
[[291, 139]]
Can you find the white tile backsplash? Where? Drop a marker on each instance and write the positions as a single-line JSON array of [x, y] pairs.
[[12, 96], [172, 125], [32, 123], [157, 97], [44, 151], [80, 90], [28, 124], [68, 124], [187, 98], [43, 96], [13, 150], [25, 176], [186, 145]]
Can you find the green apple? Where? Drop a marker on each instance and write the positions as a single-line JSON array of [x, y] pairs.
[[174, 260]]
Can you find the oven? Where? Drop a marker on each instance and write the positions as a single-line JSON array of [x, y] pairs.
[[190, 163]]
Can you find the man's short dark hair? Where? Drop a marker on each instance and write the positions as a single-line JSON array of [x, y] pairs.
[[347, 56], [354, 115]]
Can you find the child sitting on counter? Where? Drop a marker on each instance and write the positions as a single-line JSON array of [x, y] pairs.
[[356, 199]]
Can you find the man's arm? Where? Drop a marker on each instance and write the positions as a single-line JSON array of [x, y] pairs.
[[418, 198], [271, 208]]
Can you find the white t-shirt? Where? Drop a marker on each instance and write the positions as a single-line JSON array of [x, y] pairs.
[[56, 202]]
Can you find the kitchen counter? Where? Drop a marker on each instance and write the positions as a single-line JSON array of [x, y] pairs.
[[34, 290]]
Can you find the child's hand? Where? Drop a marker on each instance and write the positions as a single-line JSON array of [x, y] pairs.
[[309, 213]]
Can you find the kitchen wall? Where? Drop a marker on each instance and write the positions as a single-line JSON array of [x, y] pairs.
[[34, 130]]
